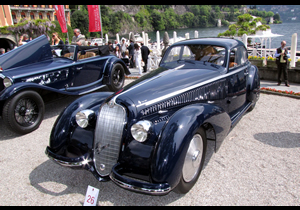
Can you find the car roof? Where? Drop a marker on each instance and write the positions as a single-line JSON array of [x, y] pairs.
[[223, 42]]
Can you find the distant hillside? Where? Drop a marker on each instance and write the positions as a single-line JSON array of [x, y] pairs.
[[288, 13], [125, 18]]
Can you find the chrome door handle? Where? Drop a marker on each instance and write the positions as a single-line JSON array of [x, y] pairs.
[[78, 68]]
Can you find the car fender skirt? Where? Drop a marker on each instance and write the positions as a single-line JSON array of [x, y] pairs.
[[135, 185], [65, 124], [174, 139], [253, 84]]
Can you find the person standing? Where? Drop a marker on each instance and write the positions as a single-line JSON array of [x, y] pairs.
[[138, 57], [118, 52], [78, 38], [282, 56], [130, 48], [23, 39], [145, 52], [123, 47]]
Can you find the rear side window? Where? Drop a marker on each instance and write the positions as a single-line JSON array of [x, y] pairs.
[[238, 57]]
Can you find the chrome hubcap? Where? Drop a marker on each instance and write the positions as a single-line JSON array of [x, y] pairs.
[[193, 158]]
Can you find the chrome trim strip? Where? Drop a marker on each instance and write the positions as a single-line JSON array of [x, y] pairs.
[[140, 189], [188, 88], [92, 90]]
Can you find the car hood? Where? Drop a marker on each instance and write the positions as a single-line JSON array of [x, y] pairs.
[[34, 51], [162, 84]]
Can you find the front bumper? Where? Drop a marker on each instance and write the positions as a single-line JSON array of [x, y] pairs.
[[85, 162], [82, 162], [137, 186], [66, 161]]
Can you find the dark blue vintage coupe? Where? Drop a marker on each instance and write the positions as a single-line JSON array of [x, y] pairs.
[[151, 136], [30, 72]]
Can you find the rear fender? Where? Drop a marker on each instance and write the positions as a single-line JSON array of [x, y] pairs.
[[174, 139], [253, 84], [110, 64]]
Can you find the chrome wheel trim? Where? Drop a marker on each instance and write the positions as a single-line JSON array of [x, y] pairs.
[[193, 158]]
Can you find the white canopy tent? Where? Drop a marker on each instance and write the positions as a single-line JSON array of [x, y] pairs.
[[263, 37]]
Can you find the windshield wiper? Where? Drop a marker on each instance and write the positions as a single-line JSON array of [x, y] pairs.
[[215, 65], [188, 61]]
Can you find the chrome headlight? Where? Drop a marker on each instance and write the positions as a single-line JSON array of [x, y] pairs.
[[7, 82], [85, 117], [139, 130]]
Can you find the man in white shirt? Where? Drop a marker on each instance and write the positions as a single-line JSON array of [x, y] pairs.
[[78, 38], [282, 56], [123, 48]]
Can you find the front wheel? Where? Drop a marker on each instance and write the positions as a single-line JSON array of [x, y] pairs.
[[117, 78], [193, 162], [24, 112]]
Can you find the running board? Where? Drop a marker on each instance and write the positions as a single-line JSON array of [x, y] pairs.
[[238, 115]]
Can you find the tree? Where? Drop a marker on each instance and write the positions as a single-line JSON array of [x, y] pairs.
[[62, 35], [80, 20], [157, 20], [188, 19], [245, 25], [277, 17], [171, 19], [33, 28]]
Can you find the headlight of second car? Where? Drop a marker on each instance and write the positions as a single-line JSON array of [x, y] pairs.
[[85, 117], [139, 130], [7, 82]]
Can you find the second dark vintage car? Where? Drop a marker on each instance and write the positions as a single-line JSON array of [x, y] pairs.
[[30, 72], [151, 136]]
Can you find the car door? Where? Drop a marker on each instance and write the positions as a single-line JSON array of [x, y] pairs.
[[238, 72], [88, 71]]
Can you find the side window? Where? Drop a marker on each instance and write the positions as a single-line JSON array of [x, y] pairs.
[[173, 55], [238, 56], [243, 54], [233, 58], [187, 54]]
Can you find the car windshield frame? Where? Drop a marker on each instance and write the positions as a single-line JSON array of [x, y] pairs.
[[195, 53], [63, 51]]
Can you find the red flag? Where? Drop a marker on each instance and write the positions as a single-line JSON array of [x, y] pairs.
[[94, 18], [60, 14]]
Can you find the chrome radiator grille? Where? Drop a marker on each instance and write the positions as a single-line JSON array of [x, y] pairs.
[[108, 135]]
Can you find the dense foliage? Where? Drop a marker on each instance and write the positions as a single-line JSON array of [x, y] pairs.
[[156, 17], [147, 18], [246, 24]]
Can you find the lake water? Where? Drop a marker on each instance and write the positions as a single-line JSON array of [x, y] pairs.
[[285, 29]]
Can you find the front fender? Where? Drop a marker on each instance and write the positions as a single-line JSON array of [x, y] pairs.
[[65, 130], [169, 154]]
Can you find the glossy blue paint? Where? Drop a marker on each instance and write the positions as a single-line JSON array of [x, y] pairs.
[[33, 66], [65, 124], [34, 51], [175, 137], [178, 101]]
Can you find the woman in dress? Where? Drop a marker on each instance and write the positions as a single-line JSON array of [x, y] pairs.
[[56, 40], [118, 52], [138, 57]]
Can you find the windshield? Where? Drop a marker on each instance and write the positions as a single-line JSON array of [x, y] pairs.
[[195, 53], [63, 51]]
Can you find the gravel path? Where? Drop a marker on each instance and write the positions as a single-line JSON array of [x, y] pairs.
[[257, 164]]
